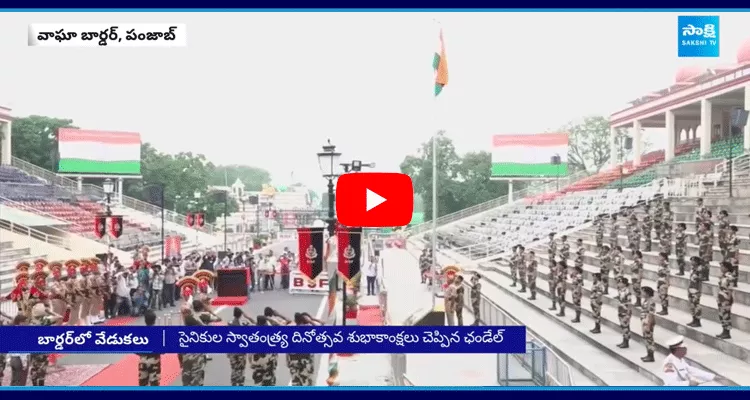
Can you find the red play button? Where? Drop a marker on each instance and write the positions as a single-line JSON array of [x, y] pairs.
[[374, 199]]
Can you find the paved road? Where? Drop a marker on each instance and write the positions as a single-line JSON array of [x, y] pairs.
[[217, 371]]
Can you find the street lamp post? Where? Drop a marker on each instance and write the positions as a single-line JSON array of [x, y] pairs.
[[109, 188], [329, 163], [328, 160]]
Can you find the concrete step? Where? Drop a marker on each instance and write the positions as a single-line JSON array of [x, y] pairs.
[[689, 221], [14, 253], [6, 245], [12, 261], [710, 202], [691, 236], [616, 362], [692, 249], [652, 257], [710, 288], [678, 299], [734, 372], [679, 315], [597, 367], [576, 351]]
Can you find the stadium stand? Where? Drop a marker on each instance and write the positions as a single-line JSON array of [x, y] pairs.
[[24, 192], [497, 231], [719, 149], [728, 358], [484, 237]]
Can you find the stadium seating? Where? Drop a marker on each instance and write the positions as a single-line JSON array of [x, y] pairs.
[[12, 175], [24, 192], [719, 149], [522, 222]]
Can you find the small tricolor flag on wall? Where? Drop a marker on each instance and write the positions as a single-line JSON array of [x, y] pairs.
[[440, 66]]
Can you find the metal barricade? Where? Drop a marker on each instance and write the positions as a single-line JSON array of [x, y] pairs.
[[542, 366], [398, 369], [526, 369], [172, 318]]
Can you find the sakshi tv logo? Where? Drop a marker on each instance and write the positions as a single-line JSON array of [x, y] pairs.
[[698, 36]]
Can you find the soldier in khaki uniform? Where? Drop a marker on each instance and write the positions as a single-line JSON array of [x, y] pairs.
[[238, 362], [531, 274], [38, 363], [624, 310], [725, 299], [263, 365], [149, 364], [648, 322], [301, 366], [476, 293]]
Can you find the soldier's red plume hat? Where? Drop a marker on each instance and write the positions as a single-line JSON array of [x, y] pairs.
[[187, 285], [72, 267], [22, 267], [55, 268], [204, 275]]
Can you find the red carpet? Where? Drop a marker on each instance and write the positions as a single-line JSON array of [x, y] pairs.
[[125, 372], [229, 301], [370, 316], [367, 316], [72, 375]]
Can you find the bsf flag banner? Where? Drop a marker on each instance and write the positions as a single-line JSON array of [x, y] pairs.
[[115, 226], [310, 251], [100, 226], [350, 252]]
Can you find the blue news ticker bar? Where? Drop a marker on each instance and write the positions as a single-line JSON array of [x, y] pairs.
[[254, 339]]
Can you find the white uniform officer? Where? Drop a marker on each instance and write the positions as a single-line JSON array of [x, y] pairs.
[[677, 372]]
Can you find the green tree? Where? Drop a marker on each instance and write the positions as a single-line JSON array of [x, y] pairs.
[[34, 139], [463, 181], [474, 177], [252, 177], [589, 145]]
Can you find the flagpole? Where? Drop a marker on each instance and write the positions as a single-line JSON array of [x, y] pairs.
[[434, 219], [435, 273]]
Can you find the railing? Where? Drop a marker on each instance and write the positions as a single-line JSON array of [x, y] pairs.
[[555, 371], [740, 165], [534, 189], [34, 234], [97, 191], [684, 187]]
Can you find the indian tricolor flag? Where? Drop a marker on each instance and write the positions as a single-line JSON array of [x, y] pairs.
[[98, 152], [440, 66], [529, 155]]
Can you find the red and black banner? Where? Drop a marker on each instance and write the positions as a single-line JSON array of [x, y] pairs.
[[349, 242], [190, 219], [310, 251], [100, 226], [115, 226], [200, 220]]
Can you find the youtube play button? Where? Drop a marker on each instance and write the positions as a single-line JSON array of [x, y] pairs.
[[374, 199]]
